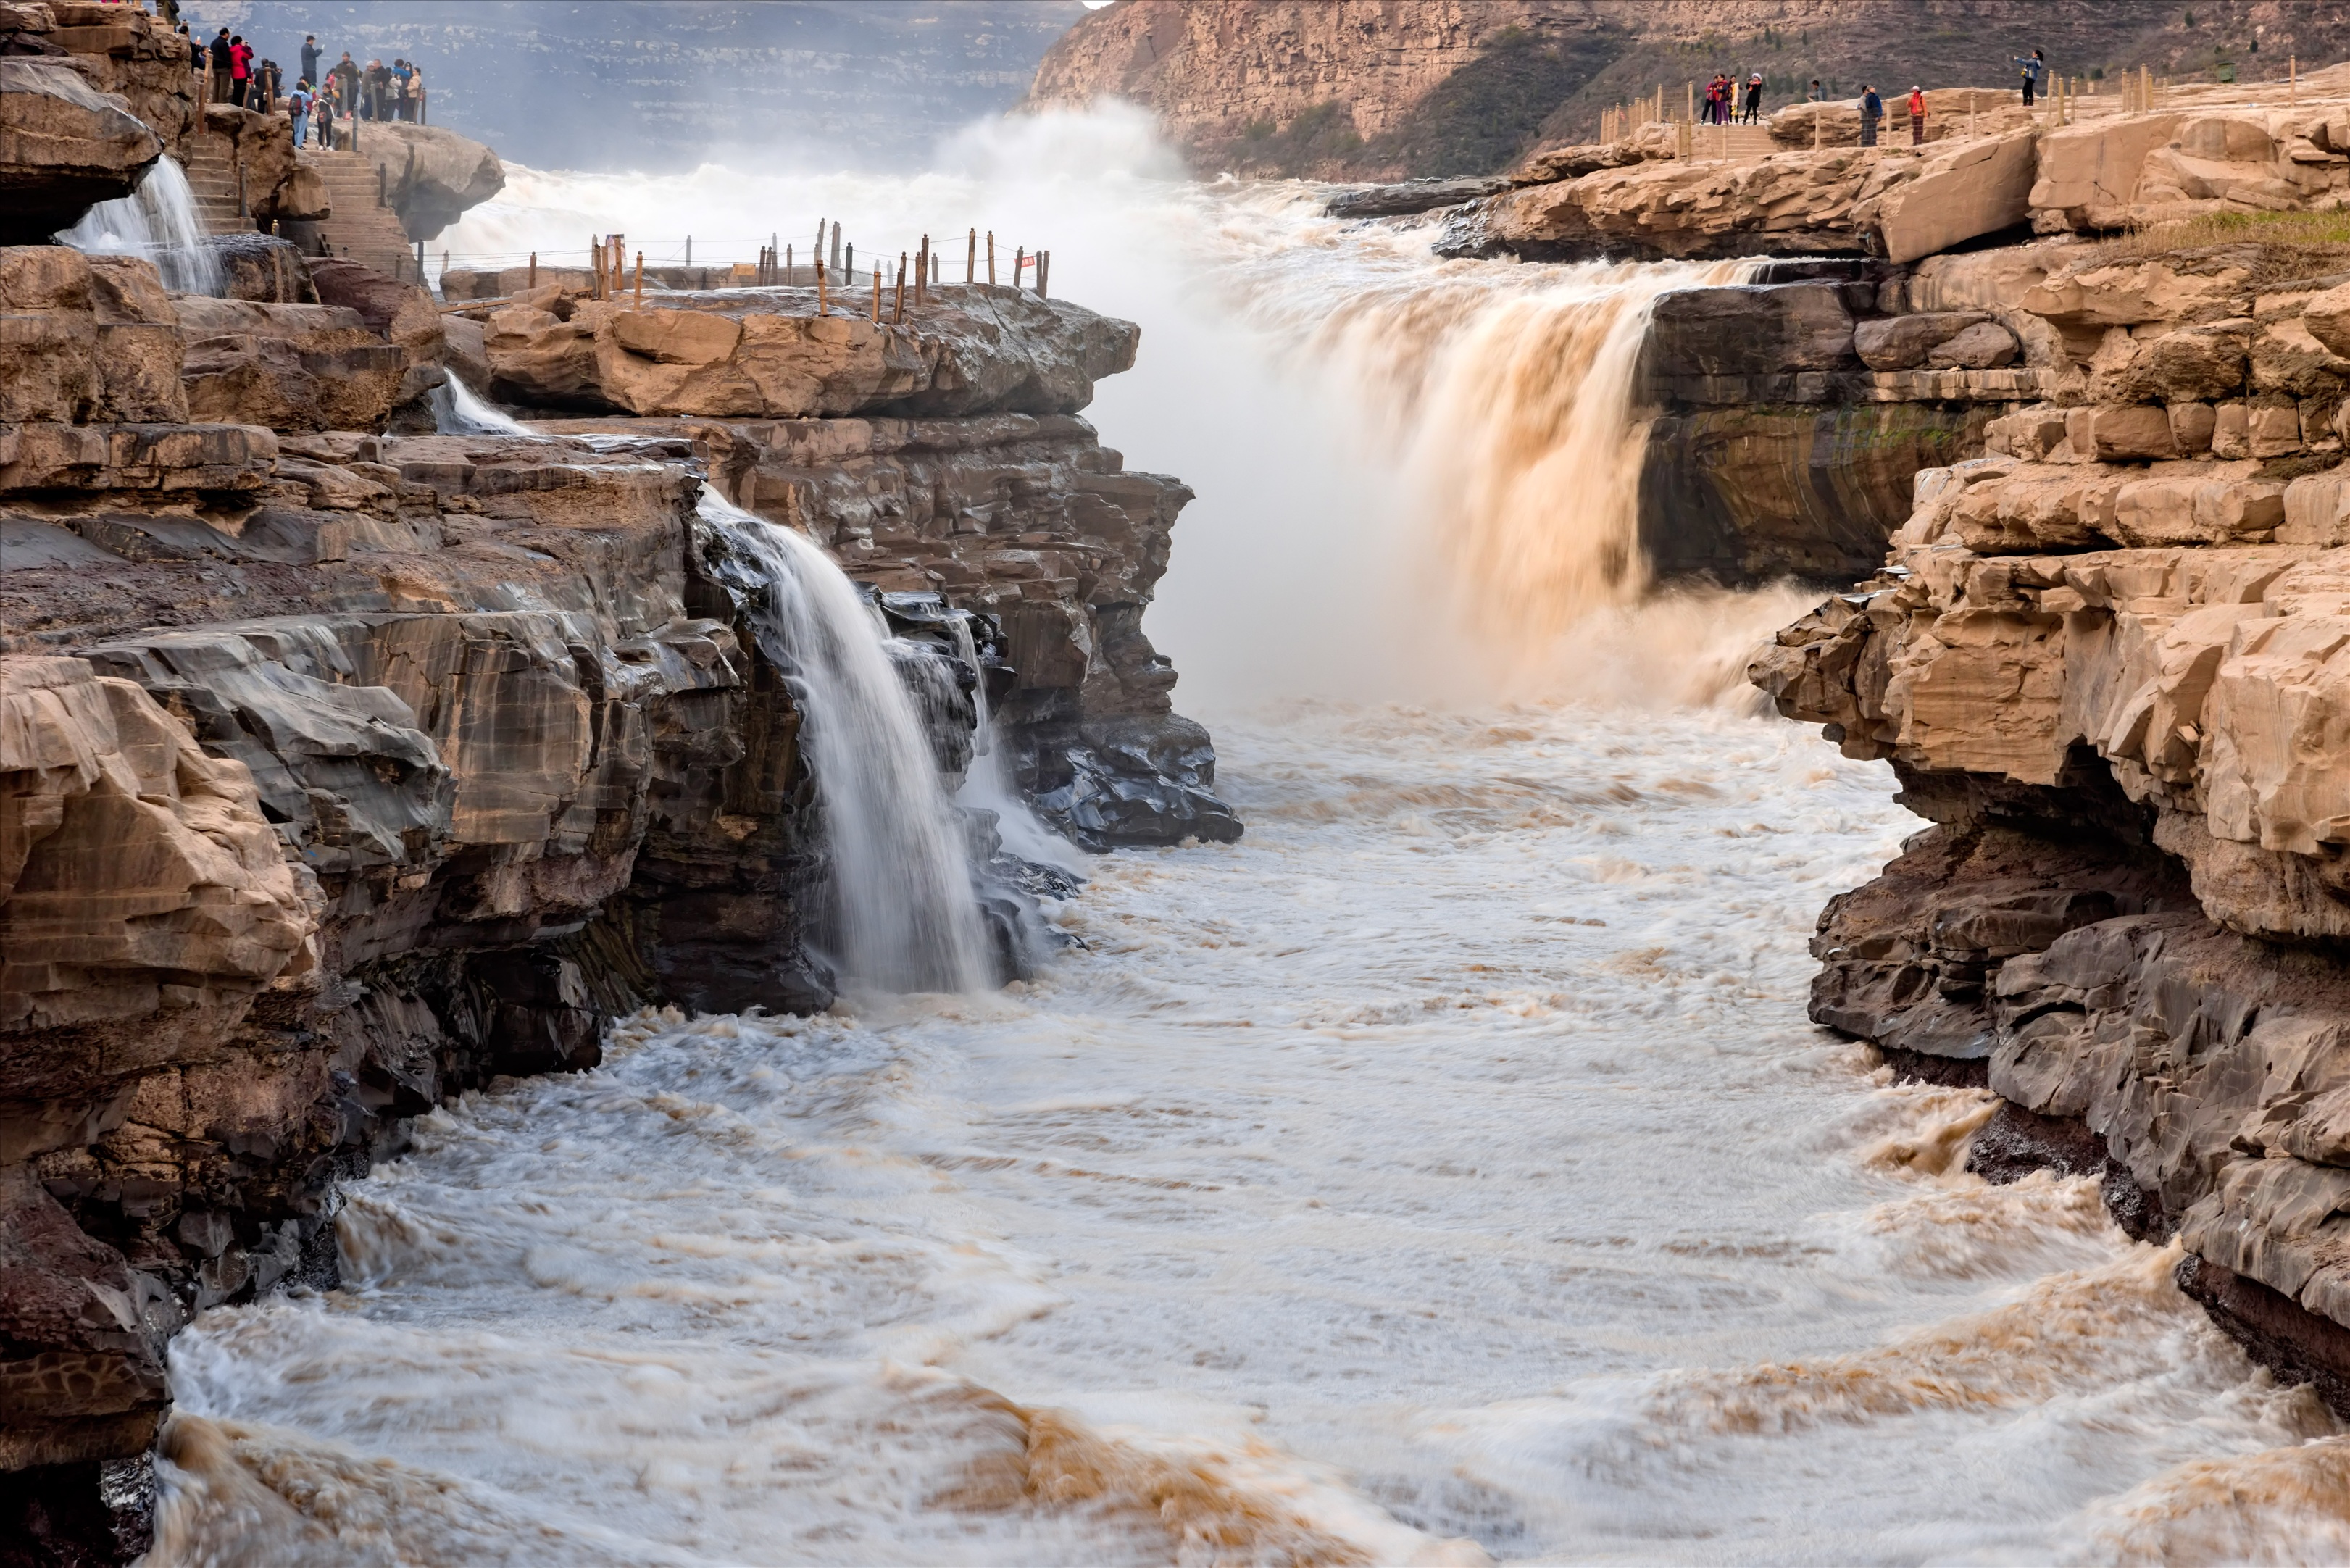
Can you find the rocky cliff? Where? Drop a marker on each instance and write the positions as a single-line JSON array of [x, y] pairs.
[[2099, 655], [1386, 88], [345, 765]]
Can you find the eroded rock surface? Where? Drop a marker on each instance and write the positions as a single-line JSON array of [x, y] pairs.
[[63, 147], [2102, 658], [767, 354]]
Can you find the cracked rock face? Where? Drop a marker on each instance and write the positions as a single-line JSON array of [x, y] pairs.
[[971, 350], [2105, 659]]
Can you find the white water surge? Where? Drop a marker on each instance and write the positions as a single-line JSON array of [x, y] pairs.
[[158, 221], [1446, 1172]]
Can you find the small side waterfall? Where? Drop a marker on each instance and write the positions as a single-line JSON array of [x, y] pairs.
[[157, 221], [903, 916], [458, 410], [987, 785]]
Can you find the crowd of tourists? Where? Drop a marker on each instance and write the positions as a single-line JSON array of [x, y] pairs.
[[229, 70]]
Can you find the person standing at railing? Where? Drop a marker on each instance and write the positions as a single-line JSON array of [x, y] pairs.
[[1917, 115], [1754, 99], [1872, 113], [416, 92], [297, 105], [217, 51]]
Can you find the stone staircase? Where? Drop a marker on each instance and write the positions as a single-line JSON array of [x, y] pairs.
[[361, 229], [212, 179]]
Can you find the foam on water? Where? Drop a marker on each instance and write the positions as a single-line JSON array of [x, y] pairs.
[[1448, 1162], [1445, 1172]]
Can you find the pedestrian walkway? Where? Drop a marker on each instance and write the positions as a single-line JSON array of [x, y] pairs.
[[212, 181], [362, 228]]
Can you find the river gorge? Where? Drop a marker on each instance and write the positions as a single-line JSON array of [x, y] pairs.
[[1203, 919]]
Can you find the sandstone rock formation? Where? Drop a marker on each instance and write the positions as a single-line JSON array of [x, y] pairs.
[[121, 50], [969, 349], [63, 147], [2101, 660], [1233, 79], [431, 175], [1791, 412]]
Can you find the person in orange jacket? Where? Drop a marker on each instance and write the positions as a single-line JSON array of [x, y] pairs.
[[1916, 117]]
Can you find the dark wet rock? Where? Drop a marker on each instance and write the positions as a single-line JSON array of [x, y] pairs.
[[1412, 196]]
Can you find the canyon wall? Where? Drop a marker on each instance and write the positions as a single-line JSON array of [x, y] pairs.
[[2099, 656], [1389, 89]]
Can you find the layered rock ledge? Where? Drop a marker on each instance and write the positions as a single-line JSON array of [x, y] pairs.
[[2102, 659]]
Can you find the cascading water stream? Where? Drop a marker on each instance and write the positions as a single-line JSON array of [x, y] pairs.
[[1510, 399], [903, 917], [158, 221], [988, 786], [458, 410]]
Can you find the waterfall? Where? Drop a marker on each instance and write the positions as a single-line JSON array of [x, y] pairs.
[[157, 221], [903, 915], [987, 785], [458, 410], [1510, 398]]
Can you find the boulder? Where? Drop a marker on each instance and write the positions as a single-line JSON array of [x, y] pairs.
[[1984, 345], [1414, 196], [1571, 163], [2200, 364], [2326, 317], [432, 176], [288, 367], [262, 267], [1902, 342], [86, 338], [1763, 330], [63, 148], [262, 146], [1977, 188]]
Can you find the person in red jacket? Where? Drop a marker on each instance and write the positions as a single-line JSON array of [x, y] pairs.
[[1916, 117], [240, 70]]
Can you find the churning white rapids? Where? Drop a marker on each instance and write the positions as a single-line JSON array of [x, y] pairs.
[[1445, 1172]]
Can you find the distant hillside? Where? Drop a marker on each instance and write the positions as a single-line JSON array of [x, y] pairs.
[[663, 84], [1393, 87]]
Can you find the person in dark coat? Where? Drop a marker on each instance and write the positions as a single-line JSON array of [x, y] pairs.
[[1872, 110], [310, 56], [219, 53], [1754, 99]]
